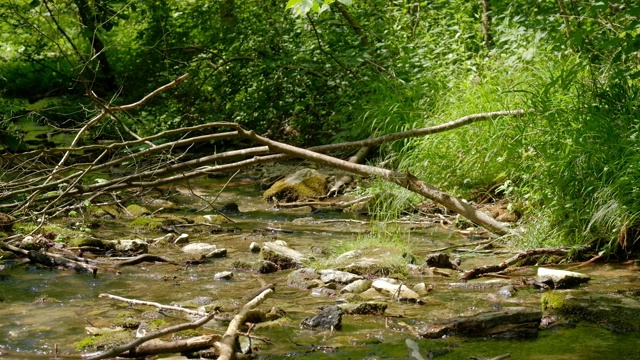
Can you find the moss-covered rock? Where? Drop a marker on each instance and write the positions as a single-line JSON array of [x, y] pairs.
[[303, 184], [104, 341], [6, 222], [107, 212], [613, 313], [137, 210], [157, 222]]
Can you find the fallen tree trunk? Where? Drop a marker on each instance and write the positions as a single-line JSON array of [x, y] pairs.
[[405, 180]]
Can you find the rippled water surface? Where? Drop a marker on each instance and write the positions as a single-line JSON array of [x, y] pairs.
[[43, 309]]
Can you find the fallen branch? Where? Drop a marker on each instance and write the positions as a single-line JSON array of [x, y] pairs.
[[228, 345], [405, 180], [525, 257], [116, 350], [154, 304]]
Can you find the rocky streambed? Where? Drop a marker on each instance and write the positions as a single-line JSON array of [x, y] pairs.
[[344, 286]]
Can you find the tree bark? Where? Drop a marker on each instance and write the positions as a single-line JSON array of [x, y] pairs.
[[405, 180]]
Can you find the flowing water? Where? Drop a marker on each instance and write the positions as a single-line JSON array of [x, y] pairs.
[[41, 310]]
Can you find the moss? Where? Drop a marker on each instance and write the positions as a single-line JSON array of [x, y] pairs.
[[185, 334], [104, 341], [211, 219], [105, 212], [304, 184], [86, 241], [609, 312], [137, 211], [155, 223], [126, 320]]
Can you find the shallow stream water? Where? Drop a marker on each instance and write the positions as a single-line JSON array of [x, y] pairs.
[[41, 309]]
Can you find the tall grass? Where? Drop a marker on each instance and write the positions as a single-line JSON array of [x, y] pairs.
[[572, 164]]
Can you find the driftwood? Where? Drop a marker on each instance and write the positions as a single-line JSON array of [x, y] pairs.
[[228, 346], [346, 179], [526, 257]]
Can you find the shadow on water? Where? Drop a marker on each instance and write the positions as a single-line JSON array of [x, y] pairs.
[[42, 309]]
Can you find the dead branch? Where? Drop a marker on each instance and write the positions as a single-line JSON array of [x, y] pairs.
[[144, 258], [114, 351], [228, 345], [150, 303], [525, 257], [346, 179]]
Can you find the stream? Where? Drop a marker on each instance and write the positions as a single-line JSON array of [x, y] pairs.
[[42, 310]]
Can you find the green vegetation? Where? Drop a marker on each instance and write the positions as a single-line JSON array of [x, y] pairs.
[[311, 72]]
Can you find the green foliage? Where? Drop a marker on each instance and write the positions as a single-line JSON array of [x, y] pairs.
[[339, 71]]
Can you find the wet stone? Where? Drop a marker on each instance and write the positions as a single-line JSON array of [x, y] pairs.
[[398, 292], [364, 308], [281, 255], [329, 318], [217, 253], [563, 279], [199, 248], [303, 279], [357, 286], [224, 275], [341, 277]]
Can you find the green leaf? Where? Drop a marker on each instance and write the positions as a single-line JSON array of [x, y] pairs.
[[34, 3], [292, 3], [346, 2]]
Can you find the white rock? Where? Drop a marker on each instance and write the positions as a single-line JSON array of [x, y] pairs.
[[336, 276], [199, 248], [399, 292], [562, 278]]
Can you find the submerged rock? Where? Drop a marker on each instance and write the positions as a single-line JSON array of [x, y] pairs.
[[563, 279], [130, 246], [329, 318], [365, 308], [617, 314], [509, 323], [303, 184]]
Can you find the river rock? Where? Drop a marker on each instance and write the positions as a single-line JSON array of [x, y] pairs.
[[223, 275], [613, 312], [422, 288], [563, 279], [400, 292], [303, 184], [510, 323], [6, 222], [283, 256], [357, 286], [441, 260], [303, 279], [130, 246], [336, 276], [329, 318], [217, 253], [415, 353], [364, 308], [199, 248], [254, 247]]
